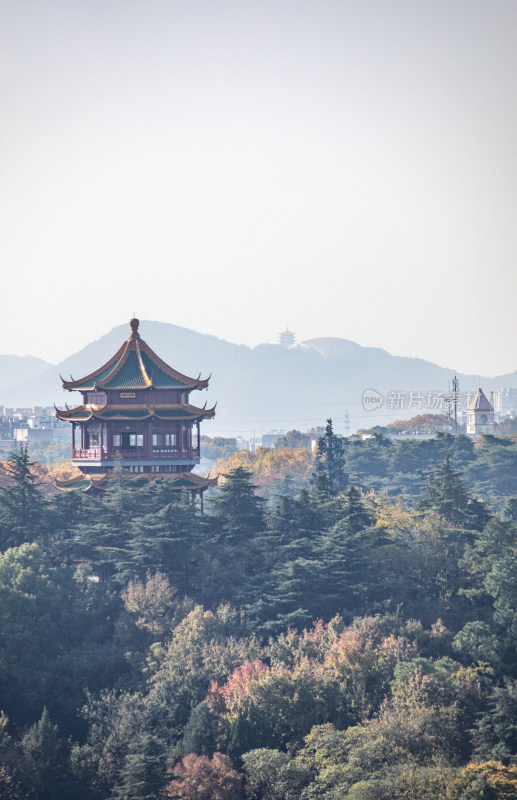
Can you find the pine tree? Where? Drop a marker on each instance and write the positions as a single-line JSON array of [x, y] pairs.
[[330, 462], [200, 733], [44, 760], [309, 514], [164, 540], [236, 510], [495, 735], [356, 517], [23, 511], [283, 517], [67, 510], [102, 537], [346, 554], [447, 497], [143, 775]]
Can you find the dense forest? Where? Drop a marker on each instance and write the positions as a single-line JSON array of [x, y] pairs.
[[395, 467], [329, 641]]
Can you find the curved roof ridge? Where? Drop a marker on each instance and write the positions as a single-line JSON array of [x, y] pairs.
[[103, 376], [139, 411], [170, 371], [126, 349], [64, 414], [70, 385], [147, 380]]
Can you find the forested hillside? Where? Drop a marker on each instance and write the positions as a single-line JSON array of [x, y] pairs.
[[334, 642], [403, 467]]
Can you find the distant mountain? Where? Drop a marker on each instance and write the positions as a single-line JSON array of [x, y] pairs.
[[17, 369], [268, 386]]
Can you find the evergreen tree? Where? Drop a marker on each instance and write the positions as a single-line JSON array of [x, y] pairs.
[[355, 517], [309, 515], [346, 553], [164, 540], [447, 496], [330, 462], [23, 512], [68, 510], [143, 775], [292, 596], [200, 733], [44, 761], [495, 736], [102, 537], [283, 517], [236, 510]]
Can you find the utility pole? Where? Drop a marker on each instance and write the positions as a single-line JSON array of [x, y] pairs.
[[448, 397], [455, 387]]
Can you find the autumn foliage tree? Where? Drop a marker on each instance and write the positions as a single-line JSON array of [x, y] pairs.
[[203, 778]]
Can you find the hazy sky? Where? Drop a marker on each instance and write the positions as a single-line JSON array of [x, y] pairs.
[[348, 168]]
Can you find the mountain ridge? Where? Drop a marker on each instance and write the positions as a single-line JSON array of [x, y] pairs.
[[17, 369], [267, 385]]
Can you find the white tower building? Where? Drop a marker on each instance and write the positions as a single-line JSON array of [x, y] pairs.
[[480, 415]]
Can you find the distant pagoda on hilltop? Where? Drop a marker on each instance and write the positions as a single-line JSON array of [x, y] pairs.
[[136, 413], [286, 338]]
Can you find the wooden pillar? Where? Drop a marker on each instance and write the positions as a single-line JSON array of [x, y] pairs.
[[73, 437]]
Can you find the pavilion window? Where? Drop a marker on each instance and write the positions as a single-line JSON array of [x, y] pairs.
[[136, 439], [117, 440], [164, 439], [96, 398]]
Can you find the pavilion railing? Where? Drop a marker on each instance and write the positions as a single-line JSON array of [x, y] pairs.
[[91, 453], [101, 453]]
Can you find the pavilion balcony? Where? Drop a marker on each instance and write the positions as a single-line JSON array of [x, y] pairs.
[[91, 453], [175, 452], [102, 454]]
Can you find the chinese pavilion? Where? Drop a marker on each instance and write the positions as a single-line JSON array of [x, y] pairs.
[[136, 413]]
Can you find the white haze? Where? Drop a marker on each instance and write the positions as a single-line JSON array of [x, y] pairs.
[[347, 168]]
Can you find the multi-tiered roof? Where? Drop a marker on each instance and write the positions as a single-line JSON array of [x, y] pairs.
[[136, 410]]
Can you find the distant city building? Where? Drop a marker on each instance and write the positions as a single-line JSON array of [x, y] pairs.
[[504, 402], [25, 434], [270, 439], [26, 425], [480, 415], [286, 338]]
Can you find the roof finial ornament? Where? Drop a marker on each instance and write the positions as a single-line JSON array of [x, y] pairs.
[[134, 323]]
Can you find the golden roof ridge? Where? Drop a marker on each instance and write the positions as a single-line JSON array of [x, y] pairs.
[[70, 385], [126, 347]]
